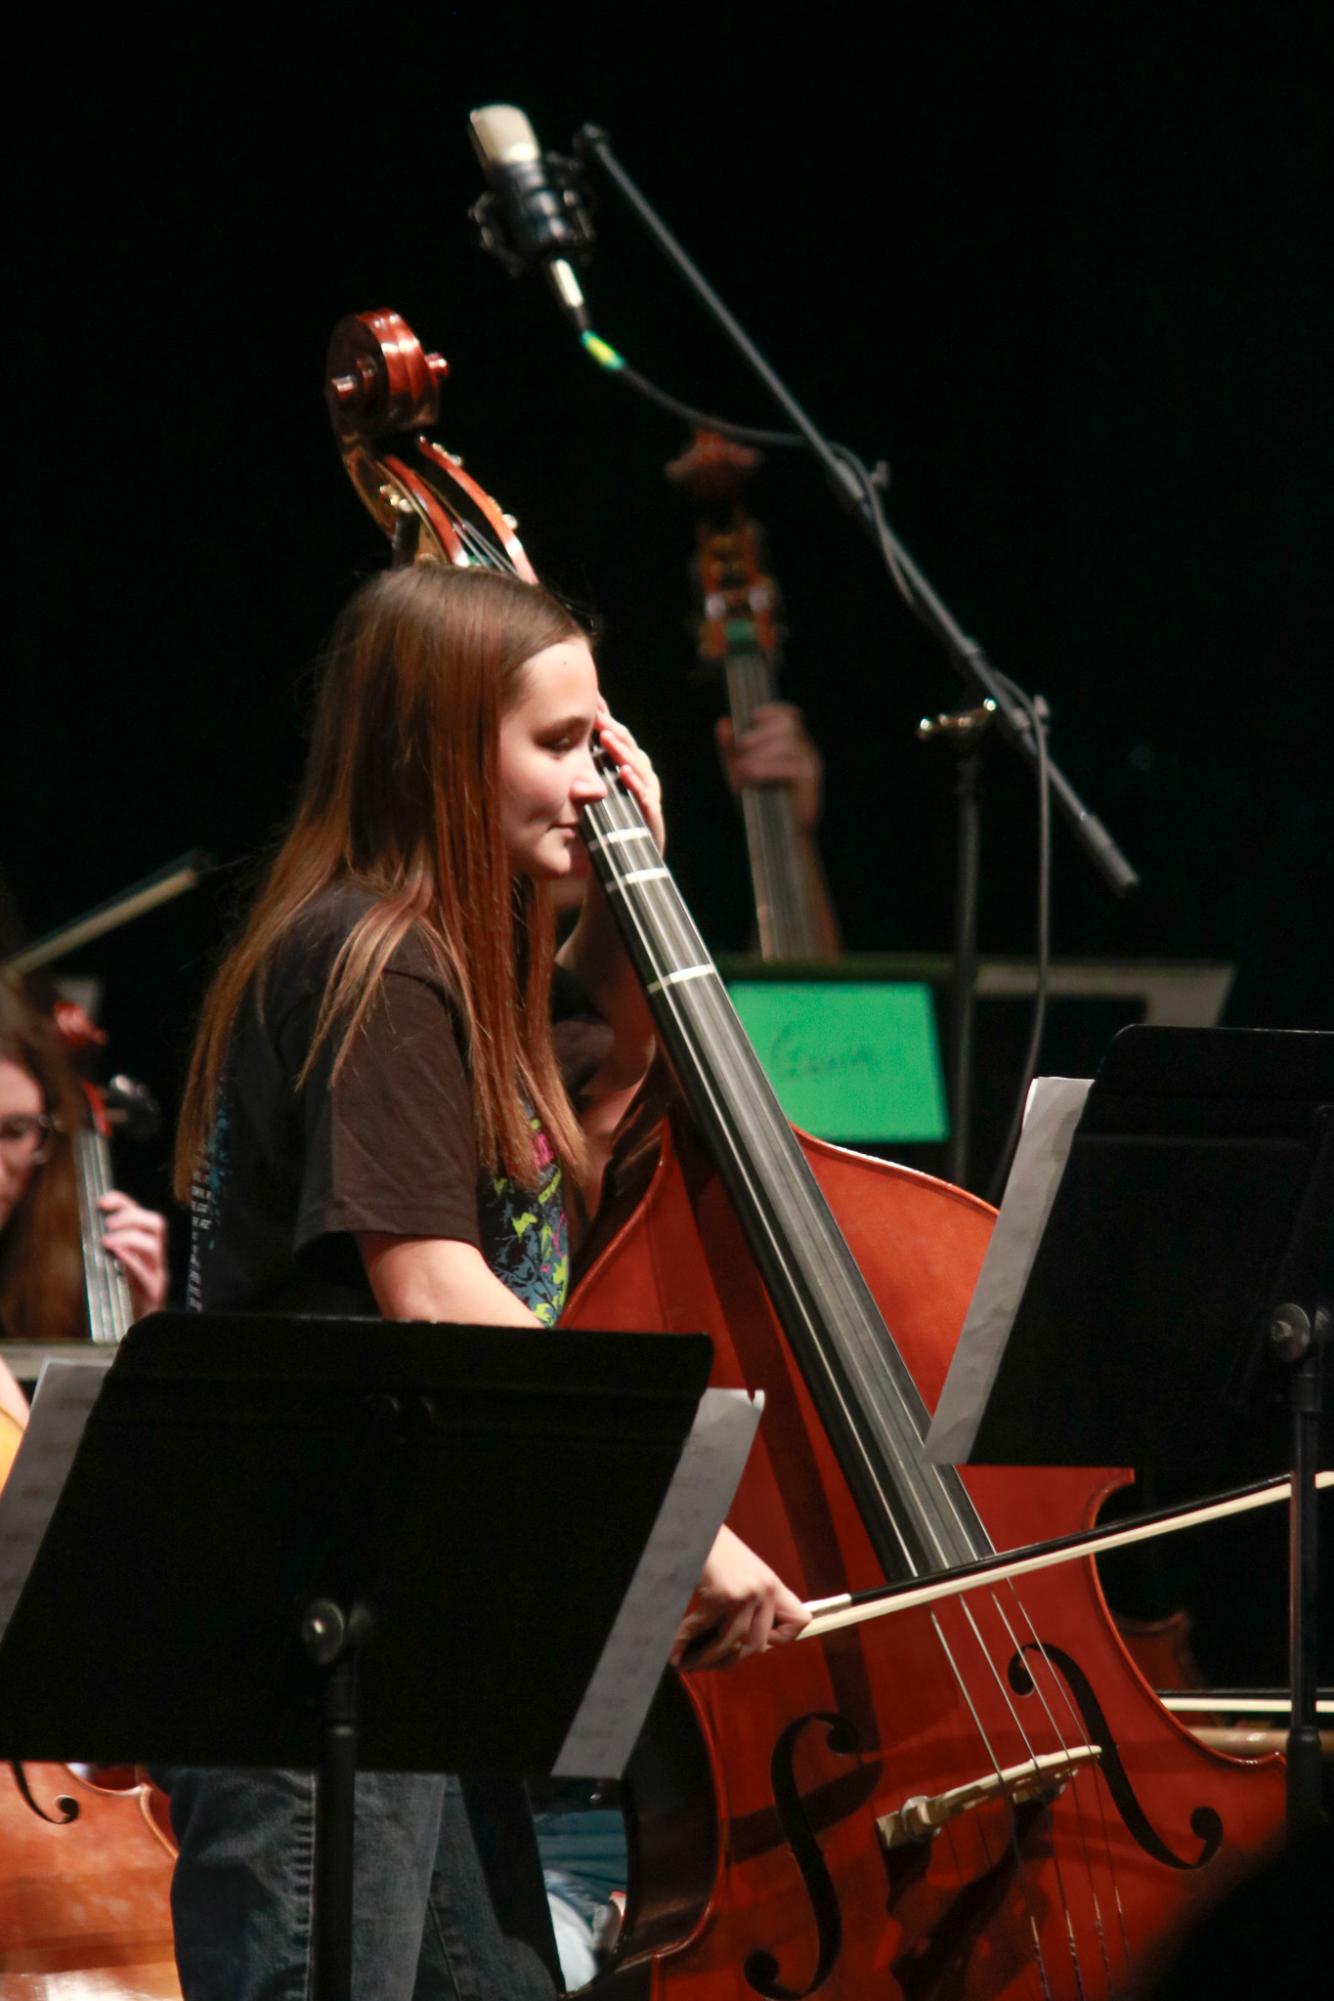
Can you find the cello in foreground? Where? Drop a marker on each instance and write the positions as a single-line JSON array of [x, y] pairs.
[[982, 1798]]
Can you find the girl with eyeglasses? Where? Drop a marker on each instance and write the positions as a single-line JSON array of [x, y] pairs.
[[41, 1269]]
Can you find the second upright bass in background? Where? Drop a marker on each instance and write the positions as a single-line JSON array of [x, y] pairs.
[[771, 760]]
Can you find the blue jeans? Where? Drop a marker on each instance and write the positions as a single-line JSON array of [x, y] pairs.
[[424, 1926]]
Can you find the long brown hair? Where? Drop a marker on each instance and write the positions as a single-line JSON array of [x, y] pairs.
[[400, 794], [41, 1259]]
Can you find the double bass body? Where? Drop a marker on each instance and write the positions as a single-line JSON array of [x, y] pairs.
[[770, 1865]]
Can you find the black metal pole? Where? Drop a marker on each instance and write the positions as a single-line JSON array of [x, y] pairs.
[[331, 1639], [1305, 1810], [965, 733], [963, 996]]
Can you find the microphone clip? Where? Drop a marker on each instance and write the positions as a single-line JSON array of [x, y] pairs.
[[555, 219]]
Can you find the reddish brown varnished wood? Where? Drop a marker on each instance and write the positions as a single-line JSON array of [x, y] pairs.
[[382, 390], [732, 582], [380, 379], [1161, 1649], [85, 1909], [953, 1918]]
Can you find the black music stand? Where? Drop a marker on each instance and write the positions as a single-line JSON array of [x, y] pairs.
[[1182, 1291], [297, 1542]]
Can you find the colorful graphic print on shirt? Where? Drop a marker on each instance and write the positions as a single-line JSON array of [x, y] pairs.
[[525, 1237]]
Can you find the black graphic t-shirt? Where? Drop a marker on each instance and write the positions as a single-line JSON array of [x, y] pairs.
[[289, 1176]]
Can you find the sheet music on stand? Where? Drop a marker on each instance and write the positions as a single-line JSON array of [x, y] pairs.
[[1050, 1117], [65, 1393], [618, 1695], [1156, 1221]]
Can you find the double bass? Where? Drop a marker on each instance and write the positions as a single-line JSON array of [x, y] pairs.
[[979, 1798], [740, 634]]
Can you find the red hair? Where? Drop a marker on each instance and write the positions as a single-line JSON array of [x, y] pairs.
[[400, 794]]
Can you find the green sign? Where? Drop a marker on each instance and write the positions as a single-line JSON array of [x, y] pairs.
[[849, 1060]]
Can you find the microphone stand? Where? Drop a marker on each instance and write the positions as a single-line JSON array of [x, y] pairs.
[[964, 732], [1009, 714]]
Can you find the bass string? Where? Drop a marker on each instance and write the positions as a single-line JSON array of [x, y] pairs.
[[1075, 1779], [750, 1091], [1031, 1748], [1108, 1850], [670, 1001], [476, 542], [673, 1004], [92, 1276], [108, 1310], [984, 1738], [1075, 1782], [485, 553]]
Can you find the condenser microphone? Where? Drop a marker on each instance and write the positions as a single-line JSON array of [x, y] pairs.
[[534, 213]]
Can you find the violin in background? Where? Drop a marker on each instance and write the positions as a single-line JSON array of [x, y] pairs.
[[120, 1107], [58, 1205]]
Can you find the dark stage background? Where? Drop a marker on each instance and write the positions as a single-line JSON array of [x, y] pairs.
[[1058, 265]]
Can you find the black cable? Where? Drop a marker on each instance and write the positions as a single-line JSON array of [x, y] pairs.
[[871, 482], [699, 420]]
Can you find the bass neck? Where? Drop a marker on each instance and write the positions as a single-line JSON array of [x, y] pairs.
[[919, 1517]]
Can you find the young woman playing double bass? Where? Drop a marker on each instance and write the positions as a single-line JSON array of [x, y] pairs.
[[392, 1086]]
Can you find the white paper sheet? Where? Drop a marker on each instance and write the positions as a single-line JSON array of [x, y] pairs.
[[1050, 1117], [65, 1393], [617, 1698]]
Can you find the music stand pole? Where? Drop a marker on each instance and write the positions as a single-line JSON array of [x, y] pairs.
[[1305, 1807], [964, 731], [331, 1639], [1297, 1336]]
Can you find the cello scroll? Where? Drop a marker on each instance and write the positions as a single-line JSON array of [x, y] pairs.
[[382, 391]]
